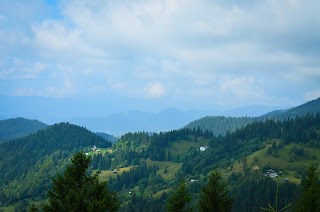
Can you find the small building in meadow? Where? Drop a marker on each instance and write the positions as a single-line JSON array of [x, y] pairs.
[[202, 148], [273, 175]]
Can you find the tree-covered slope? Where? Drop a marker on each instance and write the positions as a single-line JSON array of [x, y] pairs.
[[311, 107], [106, 136], [18, 127], [220, 125], [143, 167], [27, 164]]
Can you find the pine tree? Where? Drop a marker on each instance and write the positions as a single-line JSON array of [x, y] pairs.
[[76, 191], [178, 201], [33, 208], [214, 196], [309, 199]]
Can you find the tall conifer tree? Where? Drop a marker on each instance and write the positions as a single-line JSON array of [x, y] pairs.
[[76, 191], [309, 199], [214, 196], [178, 201]]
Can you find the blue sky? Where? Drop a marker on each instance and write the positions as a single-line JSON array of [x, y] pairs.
[[186, 54]]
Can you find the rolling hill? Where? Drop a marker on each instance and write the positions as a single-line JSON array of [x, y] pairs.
[[149, 164], [27, 164], [220, 125], [312, 107], [18, 127]]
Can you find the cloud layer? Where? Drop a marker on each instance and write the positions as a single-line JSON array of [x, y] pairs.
[[210, 52]]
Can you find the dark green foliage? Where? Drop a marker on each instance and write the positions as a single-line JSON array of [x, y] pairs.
[[33, 208], [179, 199], [309, 199], [214, 196], [252, 194], [33, 160], [21, 206], [76, 191], [18, 127], [132, 177], [146, 204]]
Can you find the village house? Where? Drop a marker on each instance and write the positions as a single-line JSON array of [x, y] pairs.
[[271, 173], [202, 148]]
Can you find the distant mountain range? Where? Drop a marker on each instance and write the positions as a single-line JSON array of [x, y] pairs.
[[119, 123], [102, 115], [168, 119]]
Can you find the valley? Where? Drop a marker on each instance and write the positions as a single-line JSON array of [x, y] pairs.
[[143, 168]]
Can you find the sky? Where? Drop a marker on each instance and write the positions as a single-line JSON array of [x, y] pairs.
[[169, 53]]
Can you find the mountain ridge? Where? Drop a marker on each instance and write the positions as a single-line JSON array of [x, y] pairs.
[[233, 123], [18, 127]]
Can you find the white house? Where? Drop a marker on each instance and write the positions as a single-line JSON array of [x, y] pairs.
[[273, 175], [202, 148]]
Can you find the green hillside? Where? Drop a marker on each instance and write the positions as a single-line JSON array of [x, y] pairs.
[[220, 125], [18, 127], [291, 160], [143, 168], [312, 107], [27, 164], [268, 145]]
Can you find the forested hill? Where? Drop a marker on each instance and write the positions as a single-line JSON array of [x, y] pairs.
[[301, 110], [106, 136], [27, 164], [220, 125], [149, 165], [18, 127]]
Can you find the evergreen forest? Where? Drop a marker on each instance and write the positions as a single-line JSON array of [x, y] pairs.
[[267, 164]]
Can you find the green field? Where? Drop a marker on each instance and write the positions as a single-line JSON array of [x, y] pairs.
[[106, 175], [171, 167], [183, 147], [284, 160]]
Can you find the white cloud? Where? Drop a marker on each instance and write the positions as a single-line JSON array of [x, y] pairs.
[[154, 90], [198, 48], [21, 69], [66, 90], [55, 35], [243, 87]]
